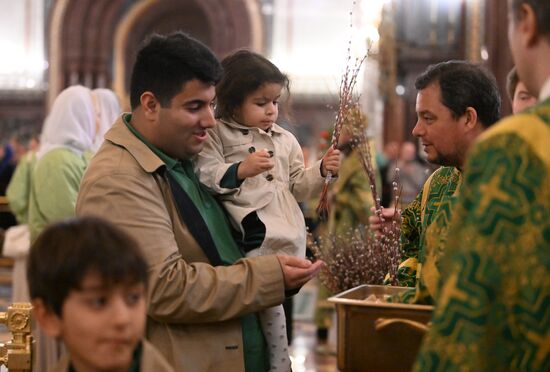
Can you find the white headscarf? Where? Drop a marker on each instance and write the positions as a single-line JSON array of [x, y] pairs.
[[107, 110], [70, 124]]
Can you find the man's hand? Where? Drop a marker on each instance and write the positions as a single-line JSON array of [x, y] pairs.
[[389, 215], [298, 271], [331, 162], [254, 164]]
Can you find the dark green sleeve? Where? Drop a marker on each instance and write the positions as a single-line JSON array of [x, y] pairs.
[[411, 228], [229, 179]]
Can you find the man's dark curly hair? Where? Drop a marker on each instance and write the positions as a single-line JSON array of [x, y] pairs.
[[464, 85]]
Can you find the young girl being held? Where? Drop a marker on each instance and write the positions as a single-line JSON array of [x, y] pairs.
[[256, 169]]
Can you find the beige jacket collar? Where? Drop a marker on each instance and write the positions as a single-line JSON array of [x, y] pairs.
[[120, 135], [275, 128]]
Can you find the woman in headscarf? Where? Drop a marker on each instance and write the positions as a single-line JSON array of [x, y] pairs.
[[107, 109], [66, 146]]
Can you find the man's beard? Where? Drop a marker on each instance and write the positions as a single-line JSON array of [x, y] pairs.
[[443, 160]]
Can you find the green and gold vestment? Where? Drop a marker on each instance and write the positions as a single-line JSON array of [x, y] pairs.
[[423, 235], [493, 305]]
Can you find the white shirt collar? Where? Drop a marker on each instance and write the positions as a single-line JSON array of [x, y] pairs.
[[545, 91]]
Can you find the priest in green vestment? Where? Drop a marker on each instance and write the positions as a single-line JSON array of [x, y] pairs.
[[456, 102], [493, 305]]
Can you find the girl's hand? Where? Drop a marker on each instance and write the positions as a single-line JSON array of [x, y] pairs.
[[331, 162], [254, 164]]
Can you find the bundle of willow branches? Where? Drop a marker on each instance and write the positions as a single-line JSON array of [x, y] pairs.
[[347, 100], [358, 256]]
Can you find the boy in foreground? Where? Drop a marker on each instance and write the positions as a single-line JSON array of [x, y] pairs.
[[87, 282]]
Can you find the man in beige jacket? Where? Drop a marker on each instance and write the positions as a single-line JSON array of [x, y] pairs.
[[203, 295]]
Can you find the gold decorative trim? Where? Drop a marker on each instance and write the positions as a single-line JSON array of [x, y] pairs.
[[16, 354]]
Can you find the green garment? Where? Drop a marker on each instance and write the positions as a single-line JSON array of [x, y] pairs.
[[352, 197], [493, 306], [255, 354], [424, 234], [55, 183], [19, 188]]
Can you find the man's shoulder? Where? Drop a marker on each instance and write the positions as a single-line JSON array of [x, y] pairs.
[[530, 122], [440, 175], [525, 130], [443, 171], [113, 175], [111, 160], [114, 168]]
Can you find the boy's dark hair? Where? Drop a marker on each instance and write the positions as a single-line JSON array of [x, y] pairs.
[[464, 85], [541, 9], [165, 63], [512, 80], [66, 251], [244, 72]]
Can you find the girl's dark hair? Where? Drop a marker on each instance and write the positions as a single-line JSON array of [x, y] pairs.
[[244, 72], [67, 251]]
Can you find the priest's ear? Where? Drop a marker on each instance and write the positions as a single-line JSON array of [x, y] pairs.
[[527, 25], [470, 118]]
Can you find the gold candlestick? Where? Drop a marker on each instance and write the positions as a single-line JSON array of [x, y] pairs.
[[16, 354]]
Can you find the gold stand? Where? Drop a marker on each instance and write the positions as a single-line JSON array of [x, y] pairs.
[[16, 354]]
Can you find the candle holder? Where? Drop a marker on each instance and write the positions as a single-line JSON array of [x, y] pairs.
[[16, 354]]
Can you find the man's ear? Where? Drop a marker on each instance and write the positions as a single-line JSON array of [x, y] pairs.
[[471, 119], [47, 319], [527, 25], [151, 105]]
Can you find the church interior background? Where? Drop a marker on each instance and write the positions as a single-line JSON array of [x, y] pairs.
[[48, 45]]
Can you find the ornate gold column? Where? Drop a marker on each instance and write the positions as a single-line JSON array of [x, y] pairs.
[[16, 354]]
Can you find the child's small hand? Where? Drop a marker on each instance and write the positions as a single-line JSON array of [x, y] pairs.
[[331, 162], [254, 164]]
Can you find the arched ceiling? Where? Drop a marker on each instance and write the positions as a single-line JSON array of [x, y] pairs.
[[82, 34]]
